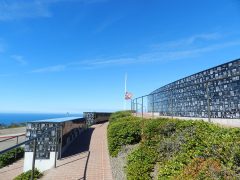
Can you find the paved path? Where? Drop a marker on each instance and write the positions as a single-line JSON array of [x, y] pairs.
[[11, 171], [87, 158], [12, 130], [6, 143], [99, 164], [7, 137]]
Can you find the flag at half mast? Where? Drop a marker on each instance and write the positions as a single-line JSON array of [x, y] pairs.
[[128, 95]]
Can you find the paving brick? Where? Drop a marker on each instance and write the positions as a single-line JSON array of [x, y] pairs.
[[11, 171], [98, 165], [76, 167]]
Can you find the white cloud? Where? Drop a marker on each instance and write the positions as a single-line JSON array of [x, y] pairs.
[[12, 9], [20, 9], [186, 42], [19, 59], [109, 61], [205, 37], [153, 55], [48, 69], [159, 55]]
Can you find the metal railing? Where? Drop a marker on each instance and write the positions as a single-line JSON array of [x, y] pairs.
[[11, 139], [34, 139], [172, 99]]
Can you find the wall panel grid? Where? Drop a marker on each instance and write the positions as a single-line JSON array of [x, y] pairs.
[[211, 93]]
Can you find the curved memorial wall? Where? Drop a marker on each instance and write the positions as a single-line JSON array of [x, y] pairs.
[[213, 93]]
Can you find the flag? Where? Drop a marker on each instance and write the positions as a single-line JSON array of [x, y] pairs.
[[128, 95]]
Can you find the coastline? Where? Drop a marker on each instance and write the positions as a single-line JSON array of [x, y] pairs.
[[7, 119]]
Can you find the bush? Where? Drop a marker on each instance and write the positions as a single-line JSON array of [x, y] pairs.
[[201, 168], [122, 133], [9, 157], [27, 175], [16, 125], [184, 149], [118, 115], [203, 144], [153, 129], [158, 144], [175, 144], [140, 163], [12, 125]]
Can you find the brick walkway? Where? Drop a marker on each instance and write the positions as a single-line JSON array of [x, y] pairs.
[[90, 160], [11, 171], [99, 164], [86, 158]]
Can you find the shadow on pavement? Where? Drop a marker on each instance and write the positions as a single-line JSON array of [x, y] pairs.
[[80, 144]]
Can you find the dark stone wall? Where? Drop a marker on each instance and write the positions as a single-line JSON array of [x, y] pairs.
[[216, 89], [96, 117], [47, 142]]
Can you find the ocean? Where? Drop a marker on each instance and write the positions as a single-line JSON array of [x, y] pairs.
[[8, 118]]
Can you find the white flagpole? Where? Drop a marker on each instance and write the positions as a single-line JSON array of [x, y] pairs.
[[125, 101]]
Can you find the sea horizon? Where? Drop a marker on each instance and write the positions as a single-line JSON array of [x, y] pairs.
[[7, 118]]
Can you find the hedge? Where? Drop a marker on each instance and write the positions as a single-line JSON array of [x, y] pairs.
[[177, 149], [119, 115], [179, 145], [9, 157], [136, 170], [123, 132]]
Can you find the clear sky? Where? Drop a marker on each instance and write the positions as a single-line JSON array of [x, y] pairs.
[[71, 55]]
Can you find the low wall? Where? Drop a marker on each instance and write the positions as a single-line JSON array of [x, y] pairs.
[[224, 122]]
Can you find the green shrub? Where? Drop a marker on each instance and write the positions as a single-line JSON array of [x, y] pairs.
[[180, 149], [176, 143], [16, 125], [12, 125], [157, 133], [123, 133], [201, 168], [140, 163], [118, 115], [9, 157], [207, 141], [155, 129], [27, 175]]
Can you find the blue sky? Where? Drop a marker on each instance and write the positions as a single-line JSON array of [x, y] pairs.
[[71, 55]]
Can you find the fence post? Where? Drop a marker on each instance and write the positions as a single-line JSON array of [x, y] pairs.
[[34, 156], [142, 134], [208, 103], [172, 103], [153, 105], [142, 107], [136, 106], [16, 148], [131, 105]]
